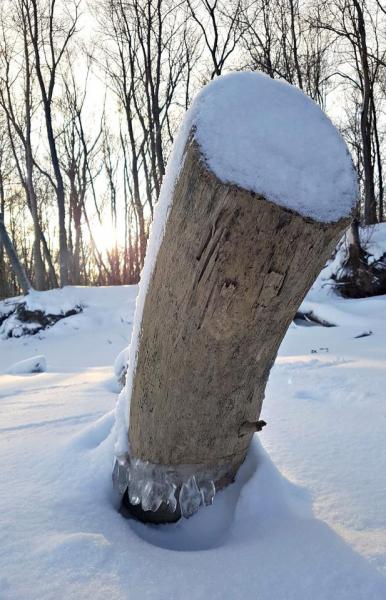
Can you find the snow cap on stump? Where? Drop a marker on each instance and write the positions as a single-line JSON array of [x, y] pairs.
[[268, 137]]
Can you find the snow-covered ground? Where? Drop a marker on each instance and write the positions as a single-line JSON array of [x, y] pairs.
[[305, 520]]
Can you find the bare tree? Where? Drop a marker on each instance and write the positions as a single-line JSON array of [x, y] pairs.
[[279, 39], [79, 151], [221, 28], [147, 71], [50, 35], [5, 171], [19, 115], [352, 25]]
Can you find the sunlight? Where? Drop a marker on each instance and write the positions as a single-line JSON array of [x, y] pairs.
[[105, 235]]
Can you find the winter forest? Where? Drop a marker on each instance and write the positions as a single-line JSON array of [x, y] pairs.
[[92, 94], [192, 299]]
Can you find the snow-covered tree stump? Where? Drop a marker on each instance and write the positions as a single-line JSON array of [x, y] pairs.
[[259, 191]]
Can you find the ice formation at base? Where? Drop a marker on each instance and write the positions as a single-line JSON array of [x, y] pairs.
[[152, 485]]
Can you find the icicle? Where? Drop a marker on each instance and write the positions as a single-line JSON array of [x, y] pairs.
[[190, 497], [152, 485], [208, 491], [120, 477]]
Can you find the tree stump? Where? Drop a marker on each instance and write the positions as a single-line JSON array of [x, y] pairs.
[[229, 276]]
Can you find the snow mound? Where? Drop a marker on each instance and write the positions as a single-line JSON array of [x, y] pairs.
[[54, 302], [71, 306], [325, 303], [268, 137], [35, 364], [373, 241]]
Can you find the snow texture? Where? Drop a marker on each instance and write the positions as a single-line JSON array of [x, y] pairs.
[[268, 137], [263, 135], [305, 519], [35, 364]]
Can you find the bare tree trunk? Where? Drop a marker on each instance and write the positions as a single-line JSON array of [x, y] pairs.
[[60, 197], [230, 274], [294, 6], [13, 258], [4, 286], [47, 255], [366, 127], [3, 281], [40, 275], [378, 156], [41, 27]]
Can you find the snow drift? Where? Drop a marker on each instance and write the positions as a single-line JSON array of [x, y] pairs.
[[35, 364]]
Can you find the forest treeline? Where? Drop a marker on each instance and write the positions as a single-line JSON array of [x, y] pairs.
[[92, 93]]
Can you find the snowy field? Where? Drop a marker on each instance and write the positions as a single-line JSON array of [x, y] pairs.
[[305, 520]]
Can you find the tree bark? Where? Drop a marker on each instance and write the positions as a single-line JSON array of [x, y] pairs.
[[230, 274]]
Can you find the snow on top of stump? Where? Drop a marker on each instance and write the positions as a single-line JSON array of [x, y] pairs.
[[268, 137]]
